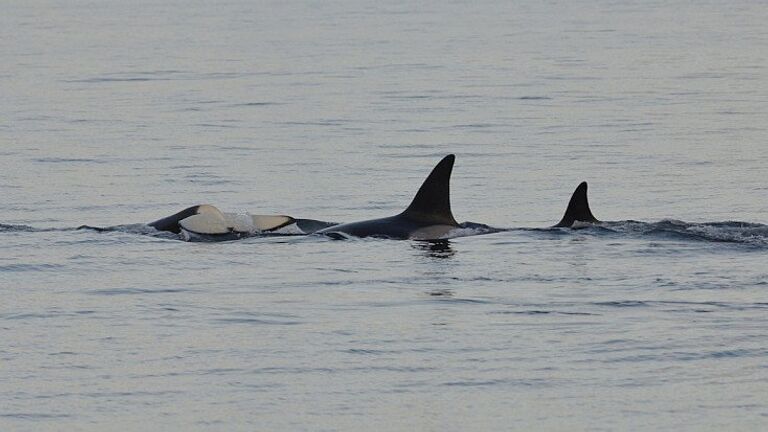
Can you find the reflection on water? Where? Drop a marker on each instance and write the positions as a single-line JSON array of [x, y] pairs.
[[435, 248], [441, 293]]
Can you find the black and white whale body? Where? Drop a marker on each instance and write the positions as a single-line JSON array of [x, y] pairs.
[[578, 211], [428, 217], [208, 222]]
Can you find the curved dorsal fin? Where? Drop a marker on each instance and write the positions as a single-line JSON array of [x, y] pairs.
[[432, 202], [578, 208]]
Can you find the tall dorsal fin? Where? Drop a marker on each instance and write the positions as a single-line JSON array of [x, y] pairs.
[[432, 202], [578, 208]]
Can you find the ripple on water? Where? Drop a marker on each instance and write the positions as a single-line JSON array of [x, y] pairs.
[[31, 267], [137, 291], [36, 416], [254, 321]]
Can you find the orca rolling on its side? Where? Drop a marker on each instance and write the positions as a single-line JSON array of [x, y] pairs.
[[578, 211], [428, 217], [208, 222]]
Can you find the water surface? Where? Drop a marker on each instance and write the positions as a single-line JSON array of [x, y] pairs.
[[119, 113]]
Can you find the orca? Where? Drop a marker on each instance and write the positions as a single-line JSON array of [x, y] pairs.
[[578, 211], [207, 222], [428, 217]]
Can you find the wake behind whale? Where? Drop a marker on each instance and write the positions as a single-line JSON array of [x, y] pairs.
[[667, 230]]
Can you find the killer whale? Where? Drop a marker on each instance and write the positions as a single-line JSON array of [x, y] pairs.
[[428, 217], [207, 222], [578, 210]]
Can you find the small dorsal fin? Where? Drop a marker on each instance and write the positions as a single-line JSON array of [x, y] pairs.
[[578, 208], [432, 202]]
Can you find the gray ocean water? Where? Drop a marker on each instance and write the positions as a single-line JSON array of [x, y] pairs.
[[119, 113]]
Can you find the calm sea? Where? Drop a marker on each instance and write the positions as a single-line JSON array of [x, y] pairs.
[[119, 113]]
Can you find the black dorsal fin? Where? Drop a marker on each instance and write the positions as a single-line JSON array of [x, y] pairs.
[[432, 202], [578, 208]]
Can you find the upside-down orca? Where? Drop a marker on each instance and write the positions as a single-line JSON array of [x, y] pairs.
[[428, 217], [206, 221], [578, 210]]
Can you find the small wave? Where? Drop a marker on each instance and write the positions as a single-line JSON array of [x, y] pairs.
[[27, 316], [289, 230], [134, 291], [536, 312], [30, 267], [16, 228], [694, 356], [35, 416], [160, 75], [727, 231], [128, 228], [467, 229], [254, 104], [137, 229], [254, 321], [683, 305], [116, 79], [601, 229], [44, 315], [363, 351], [738, 232], [532, 382], [208, 238], [142, 229], [749, 233], [455, 300], [623, 303], [67, 160]]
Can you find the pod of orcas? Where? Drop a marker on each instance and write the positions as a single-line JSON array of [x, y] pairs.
[[428, 217]]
